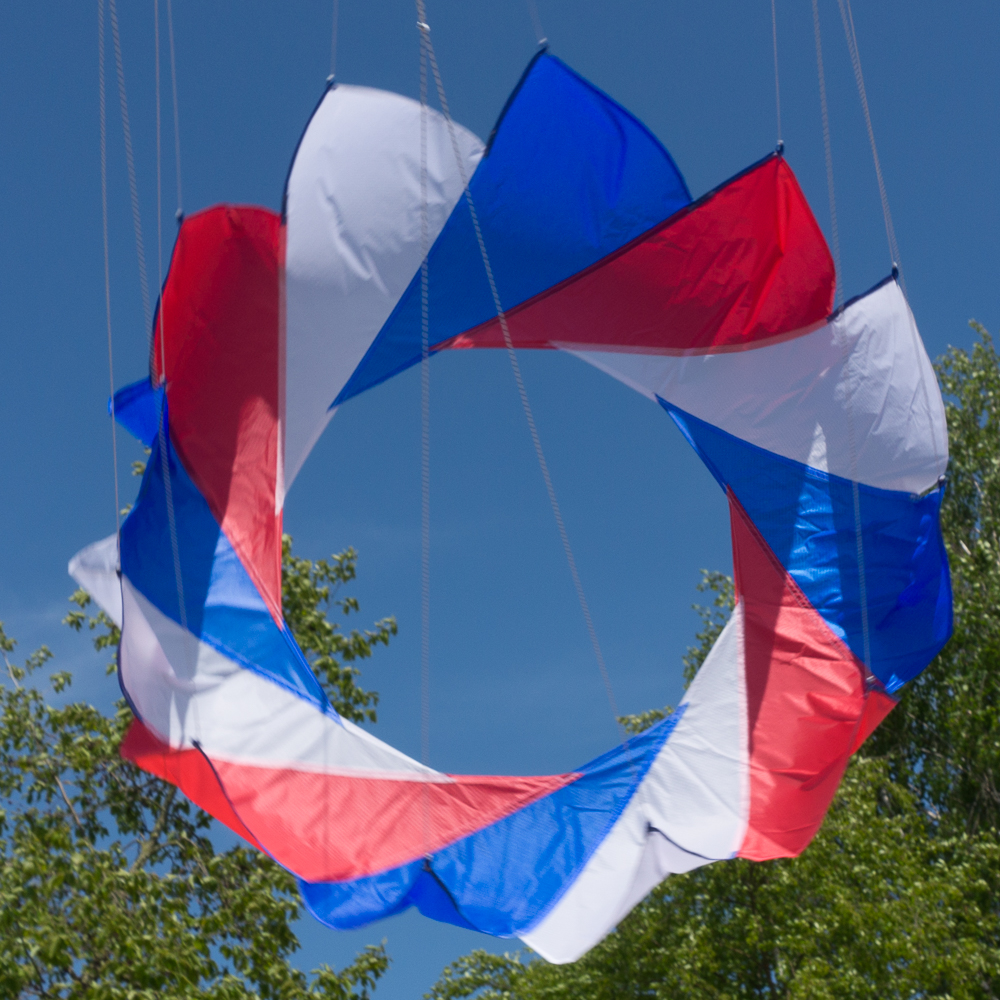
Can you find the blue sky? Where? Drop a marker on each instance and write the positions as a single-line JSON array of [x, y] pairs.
[[514, 684]]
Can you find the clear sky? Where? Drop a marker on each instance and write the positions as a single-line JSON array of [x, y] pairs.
[[514, 687]]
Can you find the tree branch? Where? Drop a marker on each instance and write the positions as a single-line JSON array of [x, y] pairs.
[[67, 801], [150, 843], [10, 670]]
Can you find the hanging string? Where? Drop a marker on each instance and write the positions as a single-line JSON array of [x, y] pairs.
[[834, 229], [777, 88], [102, 102], [159, 160], [177, 119], [130, 163], [168, 493], [847, 17], [515, 366], [161, 431], [844, 346], [326, 735], [536, 22], [333, 41], [425, 428]]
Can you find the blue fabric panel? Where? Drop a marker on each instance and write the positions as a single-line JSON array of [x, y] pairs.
[[570, 176], [222, 605], [430, 896], [502, 880], [137, 409], [348, 905], [807, 518]]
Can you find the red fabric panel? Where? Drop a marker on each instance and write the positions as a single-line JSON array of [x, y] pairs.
[[187, 769], [220, 326], [335, 827], [746, 264], [806, 701], [878, 705]]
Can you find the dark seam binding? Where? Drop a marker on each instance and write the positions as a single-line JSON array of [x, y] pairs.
[[857, 298], [437, 878], [635, 241], [513, 95], [330, 85]]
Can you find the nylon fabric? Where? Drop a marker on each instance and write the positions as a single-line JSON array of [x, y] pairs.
[[805, 699], [137, 408], [222, 604], [690, 810], [197, 692], [219, 340], [189, 770], [546, 212], [321, 795], [744, 264], [717, 309], [798, 397], [95, 569], [353, 241], [504, 877], [806, 518]]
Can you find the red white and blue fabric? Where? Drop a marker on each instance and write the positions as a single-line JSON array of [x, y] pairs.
[[826, 431]]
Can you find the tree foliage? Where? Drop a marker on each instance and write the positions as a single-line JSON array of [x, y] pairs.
[[110, 885], [309, 590], [898, 894], [944, 738]]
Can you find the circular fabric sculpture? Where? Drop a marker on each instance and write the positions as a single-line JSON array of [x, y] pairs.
[[826, 431]]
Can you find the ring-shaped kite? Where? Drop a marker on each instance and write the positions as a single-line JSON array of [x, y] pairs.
[[825, 429]]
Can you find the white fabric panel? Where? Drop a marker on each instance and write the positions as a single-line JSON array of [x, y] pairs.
[[660, 858], [797, 397], [697, 790], [631, 861], [354, 240], [689, 810], [188, 692], [95, 568], [590, 907]]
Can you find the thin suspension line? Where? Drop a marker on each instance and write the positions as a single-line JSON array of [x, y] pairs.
[[177, 119], [834, 228], [326, 742], [159, 161], [159, 206], [536, 21], [856, 500], [169, 492], [425, 460], [845, 351], [162, 429], [130, 163], [425, 428], [516, 368], [847, 17], [777, 87], [333, 40], [102, 102]]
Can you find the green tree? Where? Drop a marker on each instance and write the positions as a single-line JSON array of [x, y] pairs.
[[898, 894], [944, 738], [110, 886]]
